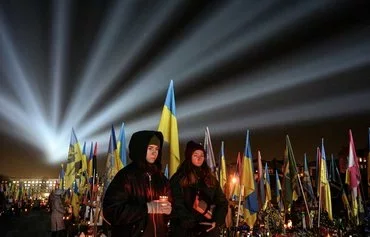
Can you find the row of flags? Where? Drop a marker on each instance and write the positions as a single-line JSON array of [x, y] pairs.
[[255, 191]]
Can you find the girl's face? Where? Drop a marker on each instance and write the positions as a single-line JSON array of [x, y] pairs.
[[197, 158], [152, 153]]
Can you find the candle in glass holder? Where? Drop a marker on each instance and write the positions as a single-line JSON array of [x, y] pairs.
[[163, 198]]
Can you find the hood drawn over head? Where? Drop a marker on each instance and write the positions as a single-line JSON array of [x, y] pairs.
[[192, 146], [138, 147]]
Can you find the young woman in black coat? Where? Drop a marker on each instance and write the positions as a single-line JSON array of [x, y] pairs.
[[134, 203], [199, 204]]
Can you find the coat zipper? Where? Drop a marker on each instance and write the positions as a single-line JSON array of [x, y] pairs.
[[151, 199]]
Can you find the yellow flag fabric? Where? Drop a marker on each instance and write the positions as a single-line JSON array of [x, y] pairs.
[[223, 175], [168, 127], [267, 187], [249, 185], [90, 162], [324, 185], [74, 162]]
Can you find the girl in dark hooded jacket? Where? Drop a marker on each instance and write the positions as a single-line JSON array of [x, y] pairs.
[[135, 203], [199, 204]]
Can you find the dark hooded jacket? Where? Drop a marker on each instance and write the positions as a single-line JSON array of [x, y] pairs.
[[125, 201], [184, 219]]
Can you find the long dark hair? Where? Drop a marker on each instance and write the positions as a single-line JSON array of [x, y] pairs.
[[191, 174]]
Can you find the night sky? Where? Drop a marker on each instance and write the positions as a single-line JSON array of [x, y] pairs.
[[300, 68]]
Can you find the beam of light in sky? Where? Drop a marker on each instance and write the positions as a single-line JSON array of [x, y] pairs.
[[257, 34], [304, 67], [204, 33], [128, 101], [211, 27], [149, 33], [58, 57], [87, 88], [125, 60], [9, 110], [328, 108], [18, 80], [224, 24], [29, 130]]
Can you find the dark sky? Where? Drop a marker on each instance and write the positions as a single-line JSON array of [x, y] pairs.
[[275, 67]]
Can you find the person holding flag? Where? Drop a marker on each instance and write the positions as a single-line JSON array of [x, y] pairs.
[[136, 202], [199, 204]]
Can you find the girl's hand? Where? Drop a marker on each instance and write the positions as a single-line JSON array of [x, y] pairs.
[[212, 225]]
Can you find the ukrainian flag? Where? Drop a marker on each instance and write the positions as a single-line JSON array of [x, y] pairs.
[[223, 175], [249, 186], [84, 159], [117, 161], [324, 184], [168, 126], [278, 190], [113, 163], [267, 187], [74, 162], [83, 172], [121, 145]]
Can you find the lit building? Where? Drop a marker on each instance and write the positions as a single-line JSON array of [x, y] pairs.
[[29, 187]]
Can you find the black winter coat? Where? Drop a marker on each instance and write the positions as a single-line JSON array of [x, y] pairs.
[[185, 220], [125, 201]]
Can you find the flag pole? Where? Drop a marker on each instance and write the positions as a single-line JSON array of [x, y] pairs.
[[319, 183], [239, 203], [305, 201], [300, 185]]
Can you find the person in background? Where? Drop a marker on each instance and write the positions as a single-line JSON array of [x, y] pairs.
[[199, 204], [57, 213], [136, 202], [4, 216]]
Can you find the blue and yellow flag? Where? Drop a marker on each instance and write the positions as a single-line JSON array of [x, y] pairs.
[[113, 163], [324, 184], [83, 172], [84, 159], [223, 175], [121, 145], [118, 165], [267, 187], [278, 192], [168, 126], [74, 162], [248, 185]]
